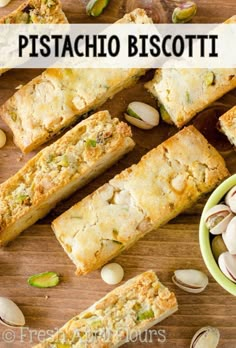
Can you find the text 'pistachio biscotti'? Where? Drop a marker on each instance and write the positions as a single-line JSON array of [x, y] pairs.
[[228, 125], [59, 169], [182, 93], [122, 315], [166, 181], [36, 11], [55, 99]]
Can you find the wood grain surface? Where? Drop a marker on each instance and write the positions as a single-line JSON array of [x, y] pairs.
[[171, 247]]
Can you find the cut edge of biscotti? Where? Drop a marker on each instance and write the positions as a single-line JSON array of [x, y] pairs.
[[89, 249], [60, 169], [174, 112], [70, 105], [159, 301], [227, 124]]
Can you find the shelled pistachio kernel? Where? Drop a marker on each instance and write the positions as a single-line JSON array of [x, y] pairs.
[[112, 273], [142, 115], [96, 7], [44, 280], [184, 12], [3, 139], [218, 246]]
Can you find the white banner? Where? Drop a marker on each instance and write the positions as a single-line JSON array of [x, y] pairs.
[[117, 46]]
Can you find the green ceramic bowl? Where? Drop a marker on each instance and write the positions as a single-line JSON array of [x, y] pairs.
[[204, 236]]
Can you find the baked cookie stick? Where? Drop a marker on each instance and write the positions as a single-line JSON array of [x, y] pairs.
[[55, 99], [182, 93], [228, 125], [36, 11], [59, 170], [166, 181], [121, 315]]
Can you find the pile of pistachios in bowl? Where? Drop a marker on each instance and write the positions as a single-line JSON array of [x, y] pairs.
[[221, 222]]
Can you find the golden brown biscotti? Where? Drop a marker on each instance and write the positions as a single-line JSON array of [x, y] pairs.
[[228, 125], [121, 315], [182, 93], [36, 11], [59, 170], [166, 181], [55, 99]]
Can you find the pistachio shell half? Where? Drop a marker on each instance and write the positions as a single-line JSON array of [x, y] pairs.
[[138, 123], [227, 264], [206, 337], [190, 280], [230, 199], [10, 313], [229, 236], [218, 246], [143, 112], [217, 218]]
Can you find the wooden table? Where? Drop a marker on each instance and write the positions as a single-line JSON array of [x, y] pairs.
[[172, 247]]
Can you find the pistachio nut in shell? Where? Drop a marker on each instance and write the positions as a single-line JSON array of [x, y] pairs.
[[230, 199], [227, 264], [144, 112], [217, 218], [10, 313], [218, 246], [229, 236], [206, 337], [190, 280], [184, 12]]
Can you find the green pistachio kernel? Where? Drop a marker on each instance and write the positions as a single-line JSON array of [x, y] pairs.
[[133, 114], [144, 315], [209, 78], [96, 7], [165, 115], [44, 280], [184, 12], [91, 142]]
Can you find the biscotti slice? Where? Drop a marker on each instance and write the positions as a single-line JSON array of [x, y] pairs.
[[120, 316], [166, 181], [55, 99], [36, 11], [182, 93], [228, 125], [59, 170]]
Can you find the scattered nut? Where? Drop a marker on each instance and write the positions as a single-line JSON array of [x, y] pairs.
[[3, 138], [44, 280], [184, 12], [10, 313], [142, 115], [190, 280], [206, 337], [4, 3], [112, 273], [96, 7]]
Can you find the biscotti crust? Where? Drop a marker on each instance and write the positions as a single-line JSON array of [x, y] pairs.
[[228, 125], [60, 169], [122, 314], [183, 92], [58, 97], [167, 180]]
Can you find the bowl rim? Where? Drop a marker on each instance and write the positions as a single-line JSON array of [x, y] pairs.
[[204, 239]]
